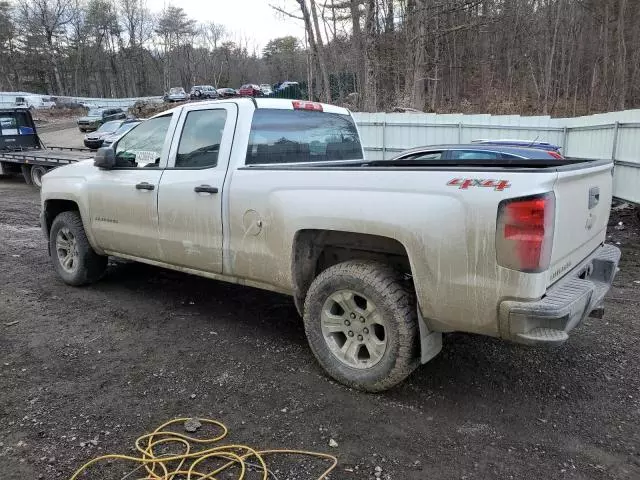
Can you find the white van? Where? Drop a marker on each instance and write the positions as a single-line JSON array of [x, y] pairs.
[[35, 101]]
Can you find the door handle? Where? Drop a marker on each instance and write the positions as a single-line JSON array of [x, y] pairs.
[[145, 186], [206, 189]]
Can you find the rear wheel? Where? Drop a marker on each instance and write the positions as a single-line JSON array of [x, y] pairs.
[[361, 322], [26, 174], [37, 171], [73, 258]]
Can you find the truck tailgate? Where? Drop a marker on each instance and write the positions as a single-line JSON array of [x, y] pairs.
[[583, 201]]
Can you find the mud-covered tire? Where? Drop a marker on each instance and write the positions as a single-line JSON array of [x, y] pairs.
[[26, 174], [88, 267], [395, 303]]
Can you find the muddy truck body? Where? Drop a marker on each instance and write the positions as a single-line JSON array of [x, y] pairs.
[[381, 257]]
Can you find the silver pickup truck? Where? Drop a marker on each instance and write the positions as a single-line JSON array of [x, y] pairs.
[[380, 257]]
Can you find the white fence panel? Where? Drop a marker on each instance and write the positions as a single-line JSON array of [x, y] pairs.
[[591, 141], [628, 144]]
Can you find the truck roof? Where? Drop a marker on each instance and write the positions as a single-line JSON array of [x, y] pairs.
[[278, 103]]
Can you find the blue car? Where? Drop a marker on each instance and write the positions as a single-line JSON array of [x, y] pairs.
[[520, 143]]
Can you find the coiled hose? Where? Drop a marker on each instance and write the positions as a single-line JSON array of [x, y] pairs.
[[190, 462]]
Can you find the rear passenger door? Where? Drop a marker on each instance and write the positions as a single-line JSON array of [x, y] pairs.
[[190, 193]]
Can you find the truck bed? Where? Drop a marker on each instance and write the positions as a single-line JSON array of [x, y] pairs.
[[49, 157]]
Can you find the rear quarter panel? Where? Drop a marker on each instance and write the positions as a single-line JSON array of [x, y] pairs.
[[448, 232]]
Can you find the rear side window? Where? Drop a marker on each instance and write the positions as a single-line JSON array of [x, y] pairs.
[[474, 155], [200, 141], [294, 136], [433, 155]]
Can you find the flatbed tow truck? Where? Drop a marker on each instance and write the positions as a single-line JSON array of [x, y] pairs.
[[23, 152]]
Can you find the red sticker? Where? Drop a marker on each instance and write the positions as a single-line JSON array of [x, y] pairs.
[[465, 183]]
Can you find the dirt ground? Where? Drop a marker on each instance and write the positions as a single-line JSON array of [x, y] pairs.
[[64, 134], [110, 362]]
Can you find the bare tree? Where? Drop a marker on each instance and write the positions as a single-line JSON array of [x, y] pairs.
[[47, 19]]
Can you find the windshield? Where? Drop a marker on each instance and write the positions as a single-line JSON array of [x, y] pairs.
[[175, 90], [94, 112], [126, 127], [109, 127]]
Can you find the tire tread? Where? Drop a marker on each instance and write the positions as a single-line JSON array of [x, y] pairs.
[[393, 293], [93, 265]]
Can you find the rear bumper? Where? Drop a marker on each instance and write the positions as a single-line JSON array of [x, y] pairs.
[[565, 305]]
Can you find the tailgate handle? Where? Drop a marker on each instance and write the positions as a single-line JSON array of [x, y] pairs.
[[594, 197]]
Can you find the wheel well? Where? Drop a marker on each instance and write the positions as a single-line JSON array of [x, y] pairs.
[[316, 250], [53, 208]]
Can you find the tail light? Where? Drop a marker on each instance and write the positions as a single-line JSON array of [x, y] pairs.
[[555, 154], [524, 234]]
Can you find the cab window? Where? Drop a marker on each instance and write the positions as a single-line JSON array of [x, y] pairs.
[[301, 136], [142, 146], [200, 140], [15, 123]]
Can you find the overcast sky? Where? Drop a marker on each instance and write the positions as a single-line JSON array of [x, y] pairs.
[[253, 20]]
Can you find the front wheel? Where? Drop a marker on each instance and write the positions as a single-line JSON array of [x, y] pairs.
[[361, 323], [73, 258]]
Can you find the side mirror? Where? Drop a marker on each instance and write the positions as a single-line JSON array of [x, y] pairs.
[[105, 158]]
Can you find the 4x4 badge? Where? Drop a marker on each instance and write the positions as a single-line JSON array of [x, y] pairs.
[[465, 183]]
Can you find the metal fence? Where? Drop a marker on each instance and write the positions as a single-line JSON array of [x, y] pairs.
[[604, 136]]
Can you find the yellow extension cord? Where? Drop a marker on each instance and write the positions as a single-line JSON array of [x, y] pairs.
[[236, 455]]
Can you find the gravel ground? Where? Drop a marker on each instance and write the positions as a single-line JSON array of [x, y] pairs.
[[112, 361]]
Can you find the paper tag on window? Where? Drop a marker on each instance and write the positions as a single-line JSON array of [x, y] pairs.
[[146, 156]]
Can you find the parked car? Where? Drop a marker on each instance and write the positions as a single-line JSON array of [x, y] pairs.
[[96, 139], [290, 90], [124, 128], [176, 94], [227, 92], [250, 90], [202, 92], [380, 257], [287, 84], [478, 152], [97, 116], [38, 102], [266, 89]]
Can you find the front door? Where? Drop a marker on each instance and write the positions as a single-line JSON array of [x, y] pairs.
[[190, 195], [124, 200]]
